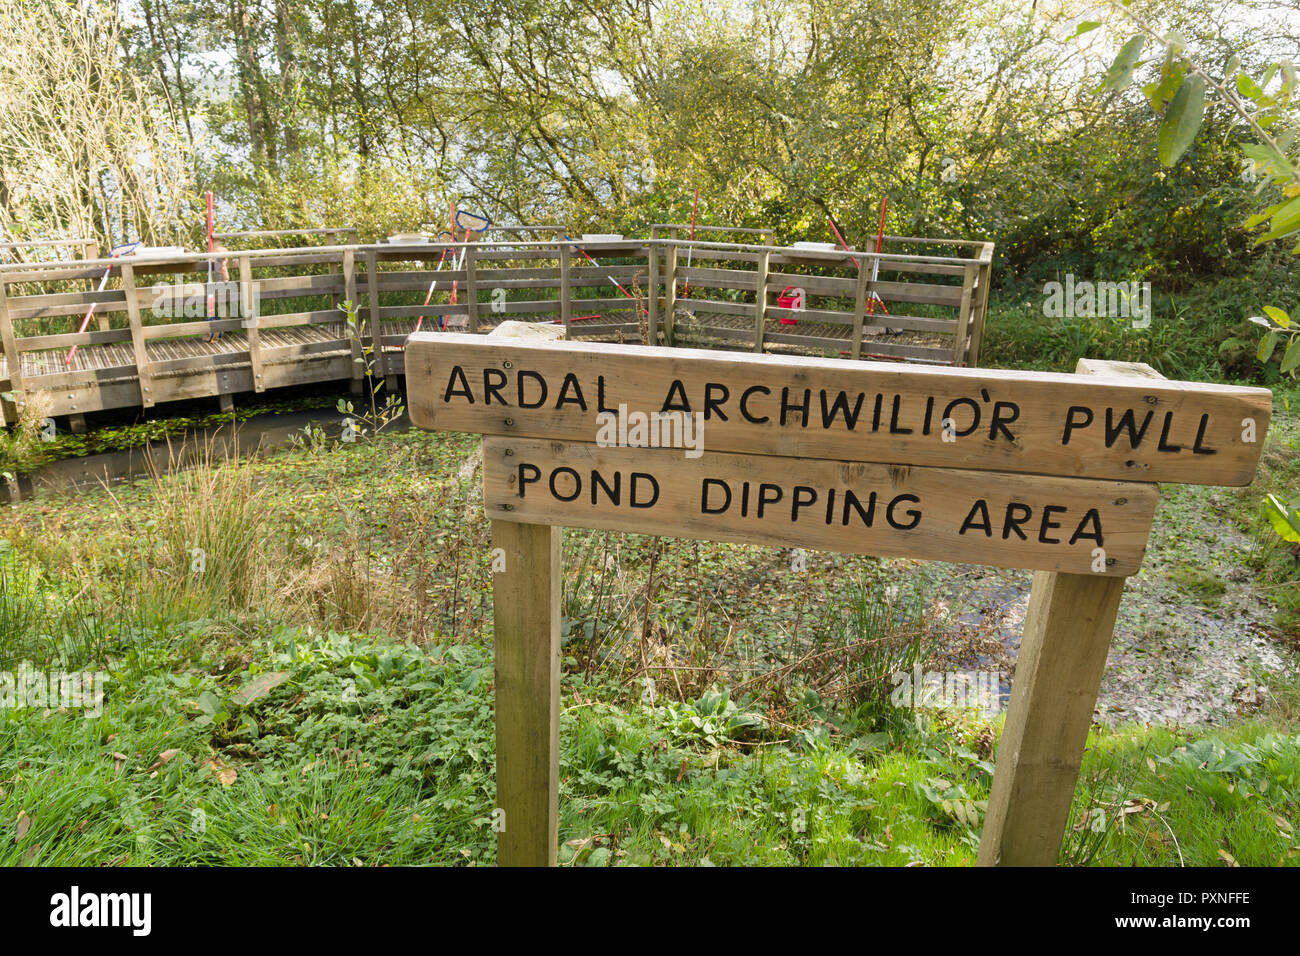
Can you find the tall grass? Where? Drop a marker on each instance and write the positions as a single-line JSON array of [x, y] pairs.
[[23, 611], [208, 533]]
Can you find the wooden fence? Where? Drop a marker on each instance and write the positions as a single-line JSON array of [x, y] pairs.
[[281, 317]]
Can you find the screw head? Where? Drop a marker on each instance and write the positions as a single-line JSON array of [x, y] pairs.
[[507, 365], [510, 421]]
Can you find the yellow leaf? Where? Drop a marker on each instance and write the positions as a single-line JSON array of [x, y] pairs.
[[1228, 858]]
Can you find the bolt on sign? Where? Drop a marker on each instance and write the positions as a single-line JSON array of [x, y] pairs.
[[1050, 472]]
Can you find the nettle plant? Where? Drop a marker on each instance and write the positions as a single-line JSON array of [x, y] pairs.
[[1266, 107]]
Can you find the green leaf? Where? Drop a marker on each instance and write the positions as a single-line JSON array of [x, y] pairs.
[[1284, 518], [1121, 71], [1267, 346], [1248, 87], [1085, 27], [1286, 220], [1278, 316], [1291, 360], [1182, 120]]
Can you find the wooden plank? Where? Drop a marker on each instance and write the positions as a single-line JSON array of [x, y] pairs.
[[1024, 422], [65, 303], [287, 286], [985, 279], [418, 281], [600, 275], [859, 308], [526, 635], [546, 277], [173, 330], [248, 312], [1000, 519], [380, 365], [814, 285], [652, 295], [471, 288], [670, 296], [760, 301], [36, 343], [566, 300], [13, 358], [354, 334], [715, 307], [964, 316], [137, 336]]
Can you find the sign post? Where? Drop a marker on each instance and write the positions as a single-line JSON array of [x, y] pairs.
[[1054, 473]]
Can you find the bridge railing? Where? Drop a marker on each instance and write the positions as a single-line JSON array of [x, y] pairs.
[[282, 316]]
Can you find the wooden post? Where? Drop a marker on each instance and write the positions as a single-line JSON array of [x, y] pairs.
[[652, 291], [526, 628], [13, 358], [1067, 635], [760, 299], [964, 315], [354, 340], [566, 300], [249, 313], [376, 326], [1058, 674], [471, 288], [985, 278], [137, 335], [859, 307], [90, 250], [670, 295]]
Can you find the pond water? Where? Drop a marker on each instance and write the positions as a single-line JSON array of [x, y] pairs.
[[261, 434]]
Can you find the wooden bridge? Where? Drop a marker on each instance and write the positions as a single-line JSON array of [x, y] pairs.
[[334, 313]]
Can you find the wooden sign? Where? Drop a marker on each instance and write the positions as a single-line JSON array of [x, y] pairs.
[[1017, 469], [1024, 422], [1007, 520]]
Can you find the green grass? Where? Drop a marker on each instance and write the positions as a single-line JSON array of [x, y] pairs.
[[304, 728], [366, 752]]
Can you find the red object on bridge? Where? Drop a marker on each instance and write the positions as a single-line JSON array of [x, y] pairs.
[[789, 299]]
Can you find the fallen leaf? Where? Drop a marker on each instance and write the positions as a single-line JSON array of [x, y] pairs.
[[682, 772], [31, 853], [163, 757], [1228, 858], [259, 687], [24, 824], [225, 775]]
